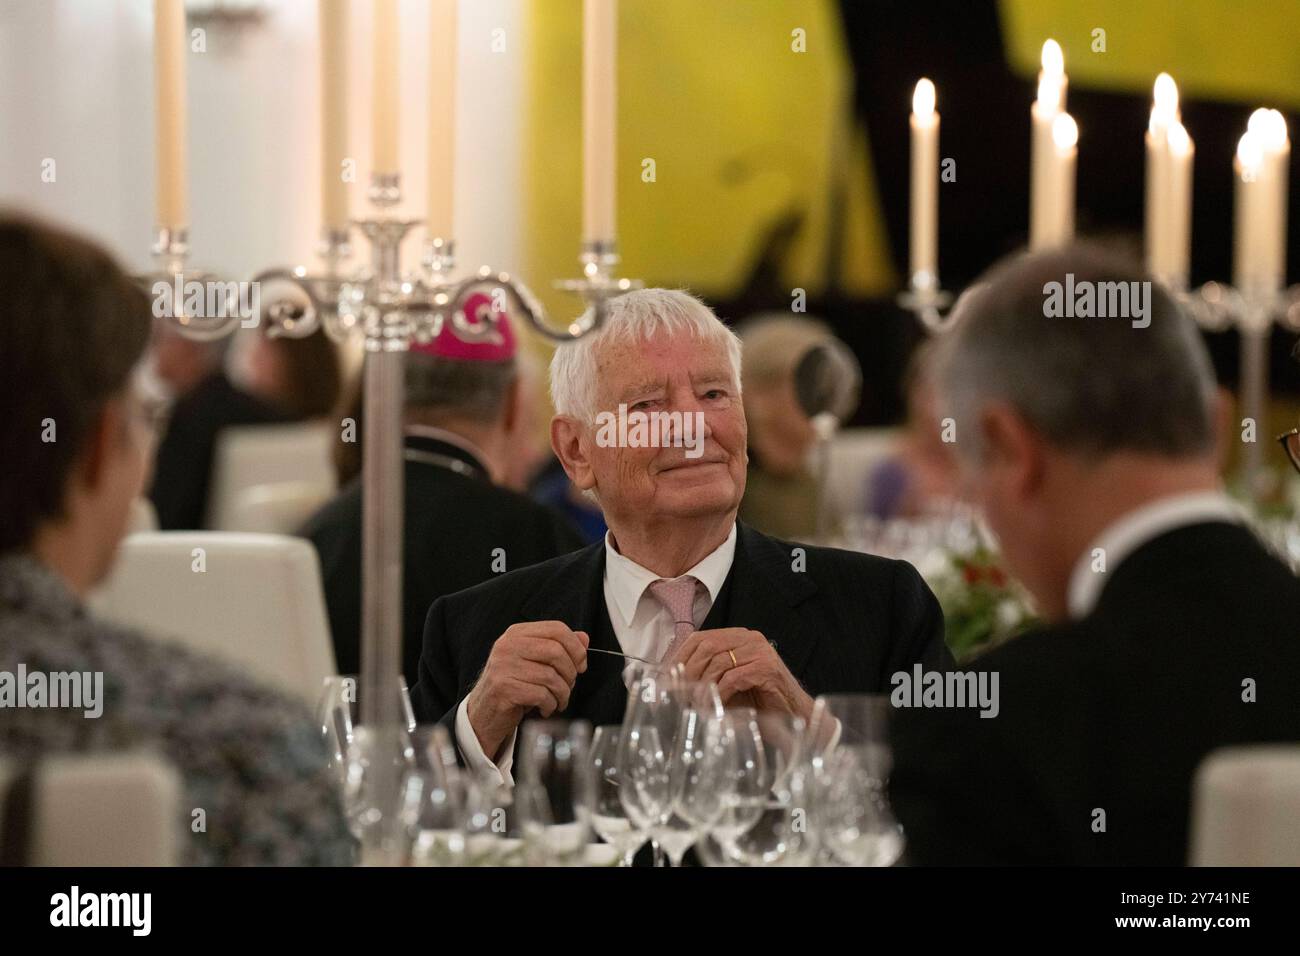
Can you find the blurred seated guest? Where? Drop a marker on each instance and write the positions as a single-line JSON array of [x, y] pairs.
[[781, 492], [301, 378], [677, 578], [528, 451], [73, 447], [553, 488], [463, 409], [1089, 445], [921, 477], [204, 402]]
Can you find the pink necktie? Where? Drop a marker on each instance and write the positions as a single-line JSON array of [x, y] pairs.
[[678, 596]]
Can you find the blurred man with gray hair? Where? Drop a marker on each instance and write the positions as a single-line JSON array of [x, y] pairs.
[[649, 420], [1089, 443]]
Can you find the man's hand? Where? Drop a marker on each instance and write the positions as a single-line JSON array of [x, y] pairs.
[[532, 665], [757, 670]]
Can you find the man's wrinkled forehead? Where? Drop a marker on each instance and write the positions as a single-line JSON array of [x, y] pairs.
[[625, 366]]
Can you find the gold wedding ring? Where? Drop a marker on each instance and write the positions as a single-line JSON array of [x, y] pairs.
[[734, 662]]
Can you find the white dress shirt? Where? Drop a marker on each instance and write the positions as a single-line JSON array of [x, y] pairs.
[[642, 626], [1123, 537]]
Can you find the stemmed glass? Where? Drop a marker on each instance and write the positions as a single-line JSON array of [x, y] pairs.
[[374, 775], [338, 714], [609, 817], [751, 780], [554, 792], [435, 799], [853, 819], [853, 760], [370, 765], [670, 754], [768, 820]]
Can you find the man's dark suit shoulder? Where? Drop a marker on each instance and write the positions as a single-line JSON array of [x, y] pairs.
[[1112, 711]]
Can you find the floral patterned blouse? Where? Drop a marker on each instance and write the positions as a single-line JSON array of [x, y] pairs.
[[249, 758]]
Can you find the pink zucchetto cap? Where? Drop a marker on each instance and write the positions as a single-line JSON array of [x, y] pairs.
[[487, 334]]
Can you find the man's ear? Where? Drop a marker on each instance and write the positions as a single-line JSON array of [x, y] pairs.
[[103, 442], [566, 442], [513, 405], [1013, 449]]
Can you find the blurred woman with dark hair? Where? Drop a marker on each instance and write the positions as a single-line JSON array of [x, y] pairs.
[[301, 378]]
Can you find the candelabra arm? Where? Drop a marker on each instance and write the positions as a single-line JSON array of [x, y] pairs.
[[928, 302]]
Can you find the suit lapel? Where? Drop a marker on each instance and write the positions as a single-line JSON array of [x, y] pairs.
[[765, 593], [576, 596]]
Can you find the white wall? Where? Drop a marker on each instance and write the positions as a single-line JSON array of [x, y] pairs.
[[76, 86]]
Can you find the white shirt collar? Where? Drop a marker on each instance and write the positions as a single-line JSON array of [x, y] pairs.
[[1135, 529], [630, 579]]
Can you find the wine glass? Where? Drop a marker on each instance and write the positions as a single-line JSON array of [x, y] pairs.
[[554, 790], [751, 779], [702, 760], [667, 719], [338, 713], [609, 817], [854, 720], [375, 771], [781, 787], [436, 799], [853, 820]]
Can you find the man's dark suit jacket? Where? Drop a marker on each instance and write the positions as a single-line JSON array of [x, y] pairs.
[[183, 464], [454, 524], [842, 624], [1111, 712]]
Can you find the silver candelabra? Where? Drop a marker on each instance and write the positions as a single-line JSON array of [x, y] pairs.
[[387, 310]]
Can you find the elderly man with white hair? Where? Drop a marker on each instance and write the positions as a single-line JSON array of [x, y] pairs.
[[677, 579]]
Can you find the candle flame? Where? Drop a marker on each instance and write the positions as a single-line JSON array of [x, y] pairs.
[[1166, 100], [1269, 128], [1250, 154], [1065, 132], [923, 99], [1053, 59], [1180, 144]]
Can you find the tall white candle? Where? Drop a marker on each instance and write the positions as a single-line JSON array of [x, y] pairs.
[[925, 181], [1059, 230], [1164, 113], [1269, 129], [334, 113], [599, 99], [442, 117], [1043, 201], [384, 93], [169, 48], [1175, 262], [1247, 273]]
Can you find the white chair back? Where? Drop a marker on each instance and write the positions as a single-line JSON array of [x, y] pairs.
[[1246, 807], [250, 455], [254, 599], [95, 810], [280, 508], [854, 453]]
